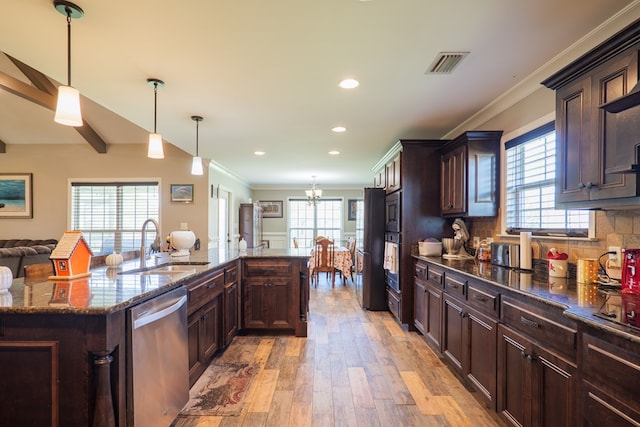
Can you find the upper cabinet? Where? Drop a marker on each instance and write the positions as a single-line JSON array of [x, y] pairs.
[[469, 168], [389, 176], [597, 123]]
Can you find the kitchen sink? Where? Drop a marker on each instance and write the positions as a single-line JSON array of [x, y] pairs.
[[168, 268]]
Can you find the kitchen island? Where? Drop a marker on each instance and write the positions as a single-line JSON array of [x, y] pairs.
[[64, 344]]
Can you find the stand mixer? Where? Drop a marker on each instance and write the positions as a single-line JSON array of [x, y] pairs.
[[460, 237]]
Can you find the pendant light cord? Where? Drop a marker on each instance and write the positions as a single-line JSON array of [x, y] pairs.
[[155, 105], [68, 10], [197, 126]]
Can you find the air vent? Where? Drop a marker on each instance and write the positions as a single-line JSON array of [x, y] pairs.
[[445, 62]]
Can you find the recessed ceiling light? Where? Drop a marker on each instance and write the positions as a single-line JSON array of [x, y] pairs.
[[259, 153], [339, 129], [334, 153], [349, 83]]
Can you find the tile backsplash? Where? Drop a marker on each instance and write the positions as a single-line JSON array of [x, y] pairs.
[[613, 228]]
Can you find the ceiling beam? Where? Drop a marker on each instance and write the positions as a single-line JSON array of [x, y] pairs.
[[25, 91], [43, 93]]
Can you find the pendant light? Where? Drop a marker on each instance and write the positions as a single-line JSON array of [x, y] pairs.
[[68, 107], [196, 165], [155, 150]]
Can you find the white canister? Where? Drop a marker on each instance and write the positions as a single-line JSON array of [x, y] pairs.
[[558, 268]]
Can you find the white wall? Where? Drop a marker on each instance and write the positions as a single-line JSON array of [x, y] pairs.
[[276, 229]]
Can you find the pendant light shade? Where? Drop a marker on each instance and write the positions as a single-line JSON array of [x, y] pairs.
[[68, 106], [196, 164], [155, 150]]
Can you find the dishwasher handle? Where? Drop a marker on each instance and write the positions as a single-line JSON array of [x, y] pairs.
[[152, 317]]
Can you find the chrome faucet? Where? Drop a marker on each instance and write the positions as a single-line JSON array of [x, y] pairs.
[[156, 246]]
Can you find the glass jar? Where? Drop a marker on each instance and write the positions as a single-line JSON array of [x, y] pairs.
[[484, 252]]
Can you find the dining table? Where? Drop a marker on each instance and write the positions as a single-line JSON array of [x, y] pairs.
[[343, 261]]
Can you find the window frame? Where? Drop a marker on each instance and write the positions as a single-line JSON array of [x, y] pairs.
[[315, 228], [535, 129], [115, 181]]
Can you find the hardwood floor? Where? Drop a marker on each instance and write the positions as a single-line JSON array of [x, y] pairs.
[[356, 368]]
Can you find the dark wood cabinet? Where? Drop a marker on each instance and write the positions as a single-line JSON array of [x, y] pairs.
[[480, 360], [537, 355], [250, 224], [204, 321], [231, 304], [411, 214], [420, 305], [597, 151], [610, 389], [428, 303], [469, 169], [274, 298], [453, 182], [453, 325], [380, 178], [535, 387], [393, 175]]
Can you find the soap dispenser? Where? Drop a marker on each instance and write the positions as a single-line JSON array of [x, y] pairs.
[[242, 245]]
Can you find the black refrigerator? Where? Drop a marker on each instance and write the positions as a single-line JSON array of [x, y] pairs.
[[369, 278]]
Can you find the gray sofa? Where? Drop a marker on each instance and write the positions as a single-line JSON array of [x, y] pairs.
[[16, 253]]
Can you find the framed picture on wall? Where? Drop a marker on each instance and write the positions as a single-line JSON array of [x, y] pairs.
[[182, 193], [271, 208], [352, 205], [16, 199]]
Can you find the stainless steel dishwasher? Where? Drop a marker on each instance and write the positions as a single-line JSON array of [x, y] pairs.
[[158, 361]]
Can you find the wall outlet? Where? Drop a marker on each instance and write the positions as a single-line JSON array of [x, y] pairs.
[[615, 260]]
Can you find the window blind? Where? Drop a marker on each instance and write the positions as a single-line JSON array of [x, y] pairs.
[[110, 214], [530, 188]]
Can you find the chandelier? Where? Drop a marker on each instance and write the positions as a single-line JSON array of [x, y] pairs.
[[314, 194]]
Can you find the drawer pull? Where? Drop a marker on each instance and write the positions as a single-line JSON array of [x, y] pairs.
[[454, 286], [528, 322], [479, 298]]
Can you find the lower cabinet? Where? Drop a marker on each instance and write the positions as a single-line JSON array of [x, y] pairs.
[[275, 294], [469, 345], [535, 387], [231, 301], [610, 389], [268, 303], [203, 328], [231, 317]]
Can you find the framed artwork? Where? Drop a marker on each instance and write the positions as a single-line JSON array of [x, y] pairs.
[[271, 208], [16, 195], [352, 205], [182, 193]]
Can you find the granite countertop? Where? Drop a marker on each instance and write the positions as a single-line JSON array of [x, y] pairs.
[[108, 290], [579, 301]]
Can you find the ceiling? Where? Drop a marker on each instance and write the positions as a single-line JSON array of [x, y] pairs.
[[264, 74]]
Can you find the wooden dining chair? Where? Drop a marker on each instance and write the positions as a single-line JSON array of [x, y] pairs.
[[324, 260]]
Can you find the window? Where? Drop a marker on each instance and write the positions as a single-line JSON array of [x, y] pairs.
[[309, 221], [530, 176], [110, 215]]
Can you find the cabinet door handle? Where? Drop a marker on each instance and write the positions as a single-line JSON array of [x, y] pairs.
[[479, 298], [523, 354], [581, 186], [530, 358], [528, 322]]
